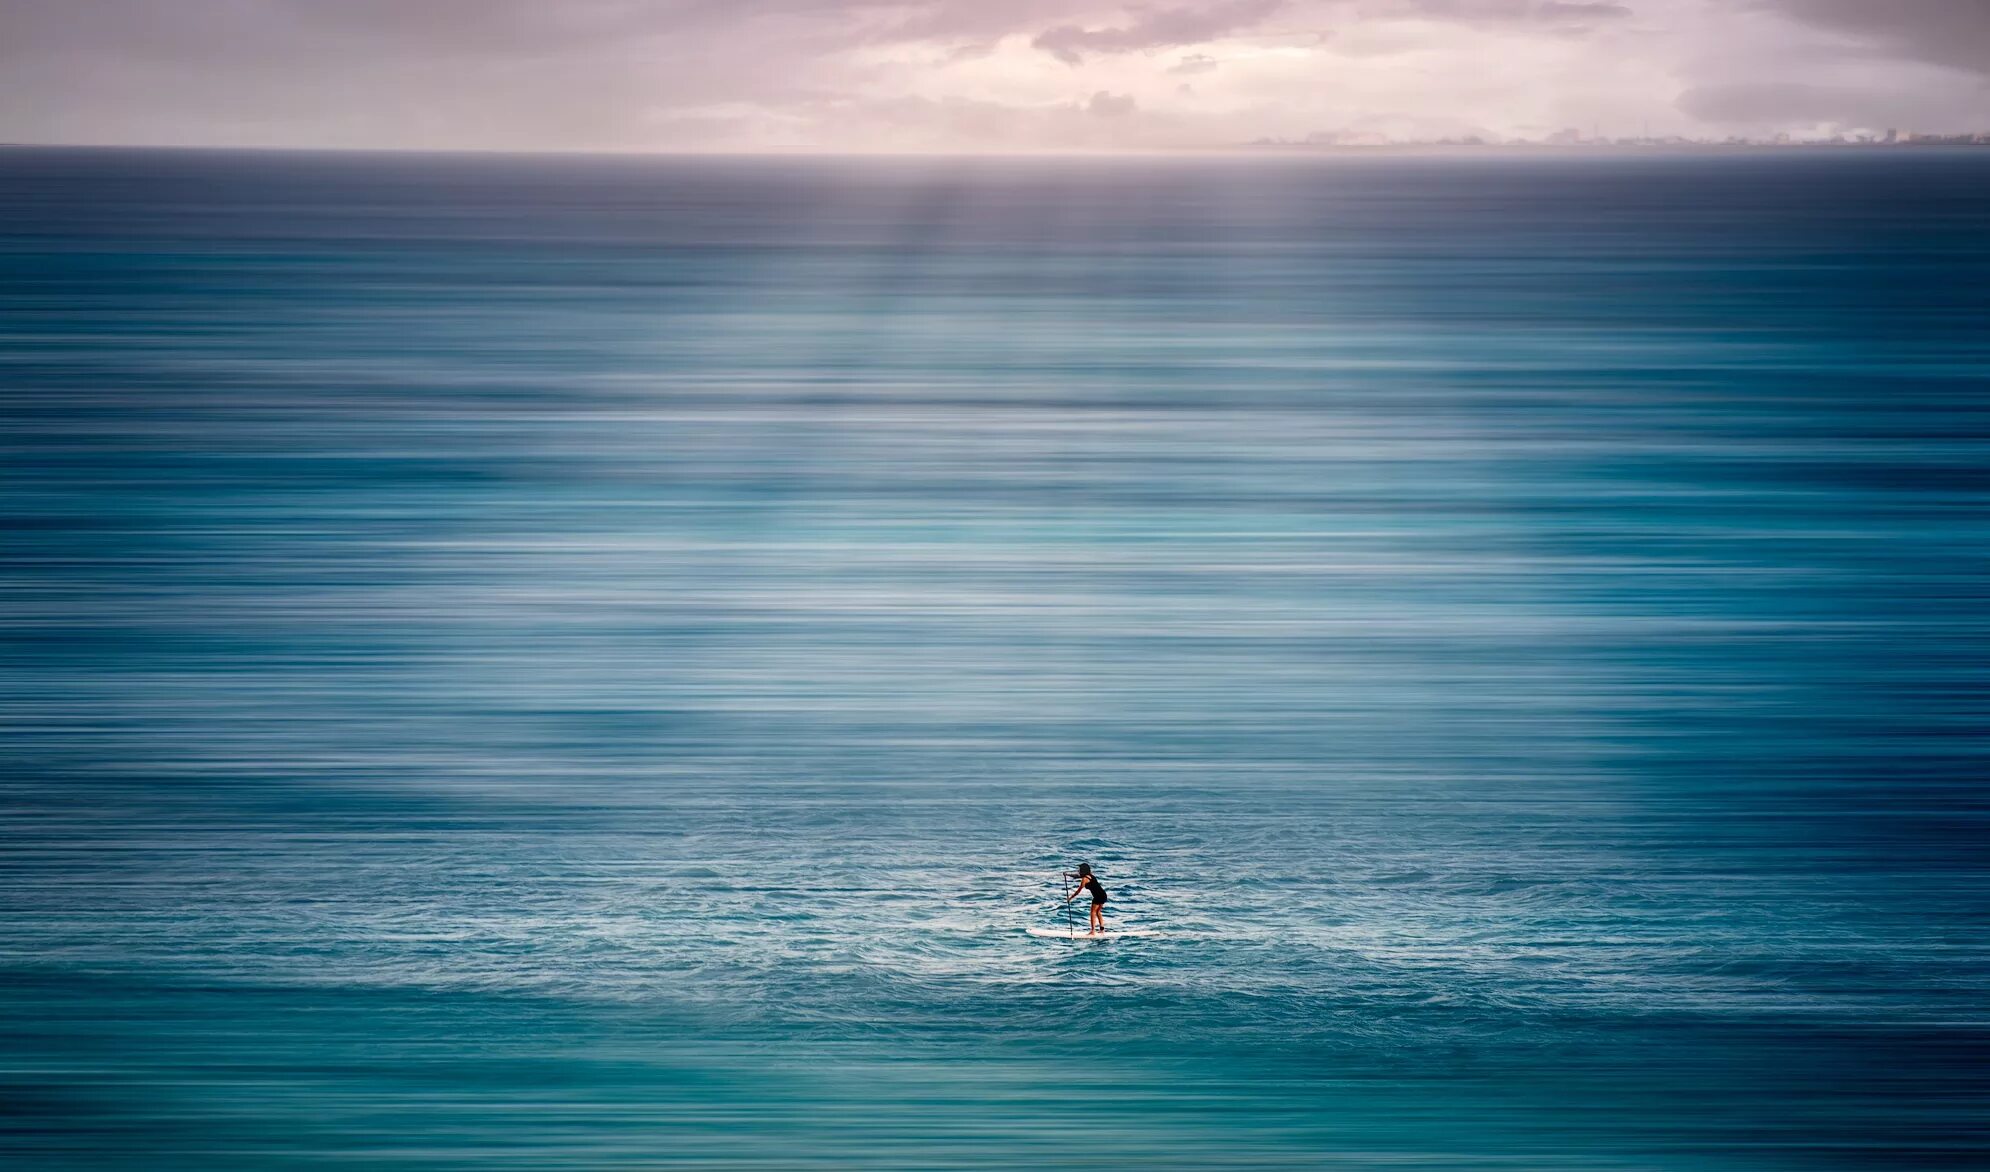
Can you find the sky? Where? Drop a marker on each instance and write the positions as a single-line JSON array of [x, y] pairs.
[[974, 75]]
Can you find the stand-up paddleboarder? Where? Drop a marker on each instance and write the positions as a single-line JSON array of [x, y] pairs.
[[1090, 882]]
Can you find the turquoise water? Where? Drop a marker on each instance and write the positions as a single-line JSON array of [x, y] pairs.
[[591, 663]]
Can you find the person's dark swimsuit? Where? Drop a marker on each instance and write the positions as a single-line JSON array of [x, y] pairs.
[[1098, 893]]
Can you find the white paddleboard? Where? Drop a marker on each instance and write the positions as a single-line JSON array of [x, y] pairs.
[[1109, 933]]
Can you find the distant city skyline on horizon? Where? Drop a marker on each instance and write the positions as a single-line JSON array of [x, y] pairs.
[[1574, 137], [959, 76]]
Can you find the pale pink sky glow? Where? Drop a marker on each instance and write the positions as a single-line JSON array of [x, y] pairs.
[[973, 75]]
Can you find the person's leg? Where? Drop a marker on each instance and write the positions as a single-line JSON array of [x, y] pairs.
[[1098, 917]]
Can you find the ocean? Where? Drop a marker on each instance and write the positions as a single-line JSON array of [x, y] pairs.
[[592, 663]]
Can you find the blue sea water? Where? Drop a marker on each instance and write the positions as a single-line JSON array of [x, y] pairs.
[[570, 663]]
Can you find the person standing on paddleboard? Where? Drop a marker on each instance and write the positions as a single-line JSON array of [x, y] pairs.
[[1090, 882]]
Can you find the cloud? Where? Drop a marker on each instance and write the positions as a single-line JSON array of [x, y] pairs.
[[641, 75], [1953, 33], [1163, 28], [1818, 65], [1108, 105], [1773, 104], [1498, 11], [1554, 10], [1103, 121]]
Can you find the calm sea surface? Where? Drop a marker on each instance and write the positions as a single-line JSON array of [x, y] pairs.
[[591, 663]]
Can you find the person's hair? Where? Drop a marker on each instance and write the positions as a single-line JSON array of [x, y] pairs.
[[1085, 870]]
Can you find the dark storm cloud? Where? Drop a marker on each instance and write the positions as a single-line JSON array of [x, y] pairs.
[[1163, 28]]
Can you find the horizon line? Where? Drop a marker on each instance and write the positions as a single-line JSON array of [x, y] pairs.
[[1255, 150]]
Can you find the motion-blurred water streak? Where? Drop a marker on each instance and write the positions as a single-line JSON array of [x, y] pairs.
[[590, 663]]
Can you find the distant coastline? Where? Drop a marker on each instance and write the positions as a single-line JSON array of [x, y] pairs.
[[1573, 140]]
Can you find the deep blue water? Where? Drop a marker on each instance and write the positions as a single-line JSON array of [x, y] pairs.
[[593, 663]]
